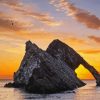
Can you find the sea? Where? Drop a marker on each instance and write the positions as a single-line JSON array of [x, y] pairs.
[[88, 92]]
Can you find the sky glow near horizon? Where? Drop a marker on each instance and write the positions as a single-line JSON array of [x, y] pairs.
[[75, 22]]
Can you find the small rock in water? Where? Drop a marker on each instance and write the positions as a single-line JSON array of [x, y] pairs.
[[9, 85]]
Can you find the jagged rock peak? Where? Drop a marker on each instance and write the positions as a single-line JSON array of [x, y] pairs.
[[57, 45], [62, 51], [30, 45], [57, 41], [28, 42]]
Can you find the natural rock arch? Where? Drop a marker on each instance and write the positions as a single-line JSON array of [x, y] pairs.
[[83, 73], [52, 70], [62, 51]]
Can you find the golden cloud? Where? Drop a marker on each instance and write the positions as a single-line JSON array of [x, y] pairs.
[[74, 41], [94, 38], [91, 51]]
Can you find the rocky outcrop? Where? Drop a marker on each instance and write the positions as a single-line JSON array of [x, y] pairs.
[[15, 85], [62, 51], [52, 70], [42, 73], [29, 62]]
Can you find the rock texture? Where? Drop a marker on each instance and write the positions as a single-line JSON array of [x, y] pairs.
[[52, 70], [62, 51], [42, 73]]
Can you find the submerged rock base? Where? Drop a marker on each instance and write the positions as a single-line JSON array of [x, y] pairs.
[[15, 85]]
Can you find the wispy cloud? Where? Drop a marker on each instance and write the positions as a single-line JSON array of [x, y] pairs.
[[25, 10], [8, 23], [94, 38], [75, 41], [81, 15], [91, 51], [10, 2]]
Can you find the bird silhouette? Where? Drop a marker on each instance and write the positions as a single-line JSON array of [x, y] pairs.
[[12, 23]]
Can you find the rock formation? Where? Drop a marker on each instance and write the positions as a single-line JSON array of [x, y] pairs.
[[42, 73], [52, 70], [62, 51]]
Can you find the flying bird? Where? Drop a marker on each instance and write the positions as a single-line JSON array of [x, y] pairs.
[[12, 23]]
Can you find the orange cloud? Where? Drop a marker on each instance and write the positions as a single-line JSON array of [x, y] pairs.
[[24, 10], [94, 38], [74, 41], [12, 23], [10, 2], [77, 40], [8, 25], [81, 15], [91, 51]]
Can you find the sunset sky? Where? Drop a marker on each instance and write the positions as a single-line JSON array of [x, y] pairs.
[[75, 22]]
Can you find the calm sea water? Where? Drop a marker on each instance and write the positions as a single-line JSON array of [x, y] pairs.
[[88, 92]]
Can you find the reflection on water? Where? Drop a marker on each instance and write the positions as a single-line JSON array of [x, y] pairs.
[[88, 92]]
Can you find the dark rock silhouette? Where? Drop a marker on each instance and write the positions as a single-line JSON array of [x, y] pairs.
[[52, 70], [15, 85], [42, 73], [62, 51]]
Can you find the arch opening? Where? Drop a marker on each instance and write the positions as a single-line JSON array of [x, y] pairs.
[[83, 73]]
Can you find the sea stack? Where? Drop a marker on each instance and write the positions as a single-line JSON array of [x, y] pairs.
[[40, 72], [50, 71]]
